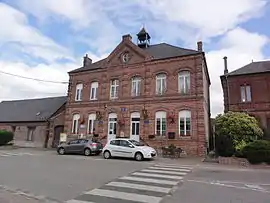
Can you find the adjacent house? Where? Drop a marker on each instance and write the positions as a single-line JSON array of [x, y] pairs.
[[158, 93], [247, 89], [35, 122]]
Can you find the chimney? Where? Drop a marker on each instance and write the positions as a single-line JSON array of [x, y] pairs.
[[86, 61], [225, 65], [200, 46], [127, 37]]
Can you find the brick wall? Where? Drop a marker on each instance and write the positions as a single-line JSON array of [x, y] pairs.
[[147, 69]]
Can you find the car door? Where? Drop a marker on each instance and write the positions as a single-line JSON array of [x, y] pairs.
[[126, 149], [73, 146], [114, 147]]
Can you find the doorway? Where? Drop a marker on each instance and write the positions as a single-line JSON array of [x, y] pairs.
[[56, 138], [135, 126]]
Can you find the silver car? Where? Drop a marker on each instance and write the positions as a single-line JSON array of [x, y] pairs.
[[80, 146]]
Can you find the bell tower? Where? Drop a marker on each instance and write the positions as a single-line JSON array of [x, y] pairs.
[[143, 40]]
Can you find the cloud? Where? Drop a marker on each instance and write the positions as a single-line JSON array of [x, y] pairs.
[[241, 47], [15, 29], [204, 19]]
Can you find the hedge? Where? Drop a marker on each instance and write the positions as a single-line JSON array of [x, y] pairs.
[[5, 137], [257, 152]]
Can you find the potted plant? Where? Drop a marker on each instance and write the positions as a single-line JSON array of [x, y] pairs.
[[151, 136], [98, 115], [171, 118], [145, 114], [121, 122]]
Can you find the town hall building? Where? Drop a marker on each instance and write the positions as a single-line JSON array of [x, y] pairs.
[[156, 93]]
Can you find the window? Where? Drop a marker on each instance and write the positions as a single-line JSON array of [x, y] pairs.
[[245, 93], [75, 123], [160, 123], [124, 143], [73, 142], [112, 124], [78, 96], [160, 84], [185, 123], [30, 134], [135, 124], [115, 142], [91, 123], [114, 89], [93, 91], [136, 87], [184, 82]]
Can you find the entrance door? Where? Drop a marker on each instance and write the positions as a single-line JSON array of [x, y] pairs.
[[56, 138], [112, 123], [135, 126]]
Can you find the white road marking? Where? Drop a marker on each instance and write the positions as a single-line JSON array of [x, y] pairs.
[[140, 187], [149, 180], [174, 166], [125, 196], [170, 169], [157, 175], [77, 201], [164, 172]]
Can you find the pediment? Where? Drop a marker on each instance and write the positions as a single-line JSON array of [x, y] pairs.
[[127, 53]]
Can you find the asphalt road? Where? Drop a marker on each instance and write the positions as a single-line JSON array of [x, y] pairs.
[[35, 176]]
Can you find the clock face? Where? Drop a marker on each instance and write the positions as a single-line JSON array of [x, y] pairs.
[[125, 57]]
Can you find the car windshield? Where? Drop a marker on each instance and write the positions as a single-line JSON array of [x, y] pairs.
[[136, 143]]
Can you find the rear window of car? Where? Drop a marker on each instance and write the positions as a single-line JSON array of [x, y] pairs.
[[115, 142]]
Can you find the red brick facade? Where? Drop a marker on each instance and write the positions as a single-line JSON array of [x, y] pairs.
[[172, 102], [259, 106]]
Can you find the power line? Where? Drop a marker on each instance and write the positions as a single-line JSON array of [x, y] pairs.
[[36, 79]]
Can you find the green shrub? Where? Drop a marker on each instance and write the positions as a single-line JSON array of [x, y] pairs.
[[5, 137], [257, 152], [239, 146], [224, 146]]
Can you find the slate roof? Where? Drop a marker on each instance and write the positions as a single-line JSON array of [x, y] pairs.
[[30, 110], [158, 51], [254, 67]]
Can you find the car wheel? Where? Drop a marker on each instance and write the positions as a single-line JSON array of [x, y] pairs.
[[107, 155], [87, 152], [138, 156], [61, 151]]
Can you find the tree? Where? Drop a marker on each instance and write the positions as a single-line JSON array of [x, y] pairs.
[[238, 126]]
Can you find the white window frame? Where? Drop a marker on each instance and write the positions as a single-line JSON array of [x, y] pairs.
[[136, 87], [78, 93], [245, 91], [184, 82], [91, 123], [161, 83], [185, 116], [93, 91], [75, 123], [112, 119], [135, 115], [114, 88], [160, 116], [30, 134]]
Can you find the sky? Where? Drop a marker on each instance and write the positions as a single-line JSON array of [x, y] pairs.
[[45, 39]]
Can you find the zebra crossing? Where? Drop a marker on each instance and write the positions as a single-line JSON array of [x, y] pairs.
[[11, 154], [149, 185]]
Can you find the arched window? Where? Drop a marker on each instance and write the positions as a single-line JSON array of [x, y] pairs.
[[78, 94], [160, 123], [112, 123], [136, 86], [91, 123], [75, 123], [184, 82], [93, 90], [161, 84], [185, 123]]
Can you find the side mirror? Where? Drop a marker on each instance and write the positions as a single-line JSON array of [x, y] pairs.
[[68, 143], [131, 146]]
